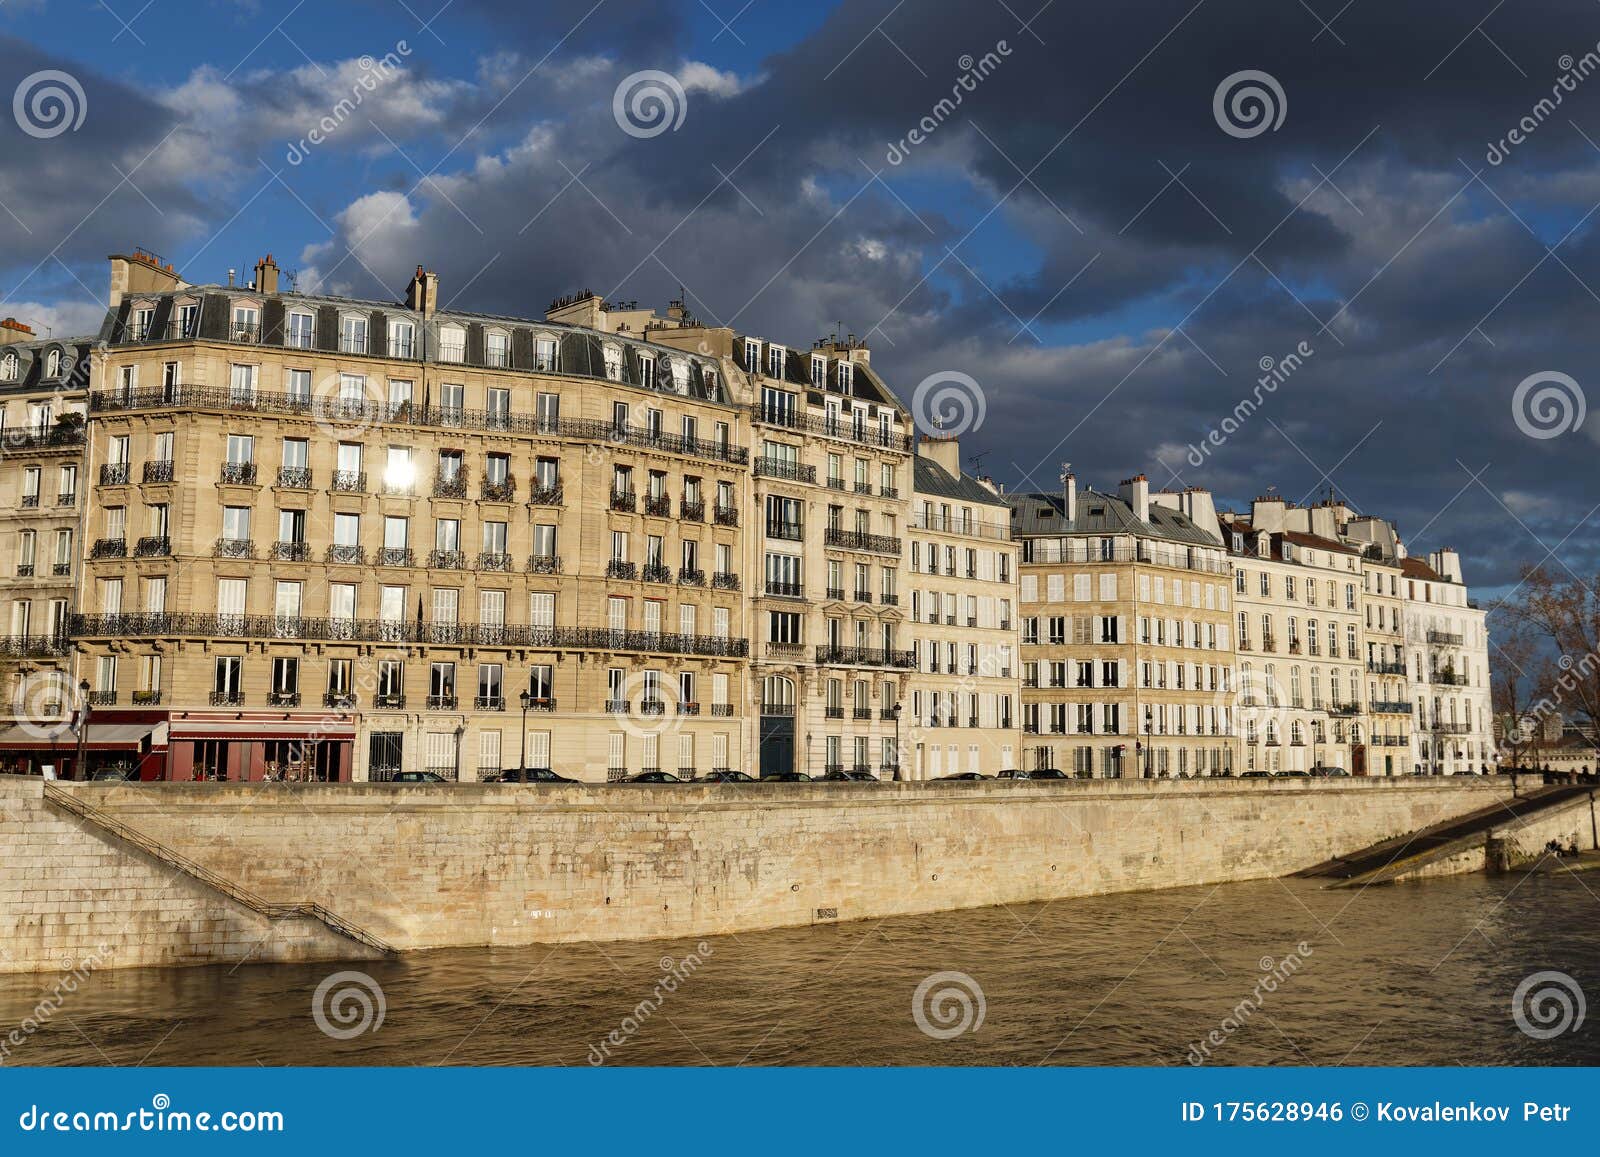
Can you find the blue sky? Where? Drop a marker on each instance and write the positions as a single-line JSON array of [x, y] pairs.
[[1082, 236]]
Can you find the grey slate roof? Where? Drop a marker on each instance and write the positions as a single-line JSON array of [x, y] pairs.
[[933, 480], [1101, 513]]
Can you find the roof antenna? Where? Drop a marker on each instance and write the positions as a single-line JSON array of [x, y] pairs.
[[977, 460]]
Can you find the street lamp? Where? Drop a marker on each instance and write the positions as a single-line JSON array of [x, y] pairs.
[[461, 729], [895, 711], [1149, 752], [522, 751], [81, 770]]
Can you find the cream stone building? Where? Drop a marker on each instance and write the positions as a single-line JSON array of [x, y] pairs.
[[1127, 648], [1389, 705], [1298, 631], [42, 389], [964, 712], [337, 539], [1447, 645]]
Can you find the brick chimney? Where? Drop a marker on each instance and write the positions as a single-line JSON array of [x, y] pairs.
[[422, 294], [1135, 492], [267, 276], [13, 331], [140, 272]]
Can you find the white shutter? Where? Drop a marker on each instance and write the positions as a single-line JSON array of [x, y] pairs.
[[617, 613], [1108, 587], [686, 619], [616, 756], [719, 691], [488, 751], [719, 622], [652, 616], [1080, 588], [719, 748], [1030, 588], [230, 596], [539, 749], [686, 749], [542, 609]]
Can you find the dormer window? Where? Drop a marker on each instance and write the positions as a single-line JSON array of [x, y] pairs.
[[546, 355], [496, 349], [452, 344], [188, 316], [52, 364], [709, 376], [300, 331], [775, 356], [402, 339], [846, 376], [8, 367], [647, 370], [819, 372], [1238, 543], [613, 359], [752, 355], [246, 323], [143, 319], [680, 376], [352, 334]]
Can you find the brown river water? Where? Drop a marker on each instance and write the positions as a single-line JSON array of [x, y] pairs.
[[1410, 974]]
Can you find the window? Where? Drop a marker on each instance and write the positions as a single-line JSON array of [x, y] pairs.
[[402, 339], [246, 323], [496, 349], [452, 344], [300, 331], [546, 357]]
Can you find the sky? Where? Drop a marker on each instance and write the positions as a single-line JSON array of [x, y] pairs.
[[1251, 246]]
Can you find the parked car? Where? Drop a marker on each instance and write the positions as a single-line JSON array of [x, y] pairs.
[[1255, 775], [785, 777], [850, 777], [960, 775], [418, 777], [1012, 773], [1050, 773], [1294, 774], [530, 775], [654, 777], [726, 775], [1338, 771]]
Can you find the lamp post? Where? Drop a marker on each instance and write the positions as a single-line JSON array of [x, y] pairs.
[[461, 729], [81, 770], [895, 710], [522, 750], [1149, 752]]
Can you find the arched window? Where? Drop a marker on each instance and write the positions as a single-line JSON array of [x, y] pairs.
[[8, 367], [777, 691], [52, 364]]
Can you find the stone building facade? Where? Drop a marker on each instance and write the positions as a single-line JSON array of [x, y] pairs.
[[1447, 647]]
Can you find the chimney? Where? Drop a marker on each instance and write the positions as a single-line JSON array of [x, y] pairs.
[[1447, 562], [944, 452], [267, 276], [230, 277], [13, 331], [140, 272], [422, 294], [1135, 492], [1069, 491], [1267, 513]]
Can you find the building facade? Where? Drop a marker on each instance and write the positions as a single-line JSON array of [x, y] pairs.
[[1448, 647], [1128, 663], [964, 709]]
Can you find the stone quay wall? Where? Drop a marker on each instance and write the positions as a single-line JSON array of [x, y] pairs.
[[420, 866]]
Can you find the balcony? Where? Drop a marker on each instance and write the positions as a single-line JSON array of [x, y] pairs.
[[291, 551], [544, 564], [66, 498], [652, 707], [349, 482], [541, 703], [865, 657], [692, 511], [389, 701], [786, 652], [109, 548], [691, 577], [283, 698], [447, 560], [658, 505], [1447, 679], [624, 501], [1386, 668], [102, 699], [233, 548], [722, 710], [863, 596], [1444, 639], [781, 590], [150, 698], [347, 554], [26, 646], [495, 560], [787, 471], [725, 581], [489, 703], [227, 699], [396, 556], [152, 546], [294, 478], [1439, 727], [339, 700], [452, 486], [545, 495], [238, 474], [616, 706], [617, 569], [442, 701], [158, 471], [861, 540], [785, 531], [848, 431], [781, 710], [833, 712], [503, 491], [61, 569], [655, 572], [725, 515], [1391, 707], [834, 484], [835, 593], [114, 473], [1344, 709]]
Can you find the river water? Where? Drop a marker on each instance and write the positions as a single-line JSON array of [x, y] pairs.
[[1410, 974]]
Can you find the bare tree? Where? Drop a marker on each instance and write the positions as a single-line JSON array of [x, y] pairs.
[[1564, 611], [1520, 684]]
